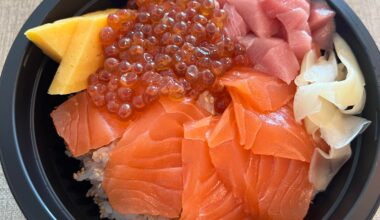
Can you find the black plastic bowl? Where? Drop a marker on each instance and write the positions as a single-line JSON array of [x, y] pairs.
[[40, 174]]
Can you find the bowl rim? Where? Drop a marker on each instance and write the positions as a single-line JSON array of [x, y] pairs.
[[18, 178]]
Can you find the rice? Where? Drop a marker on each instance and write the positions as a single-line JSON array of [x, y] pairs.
[[93, 165]]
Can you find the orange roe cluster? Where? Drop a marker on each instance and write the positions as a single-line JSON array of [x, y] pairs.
[[165, 48]]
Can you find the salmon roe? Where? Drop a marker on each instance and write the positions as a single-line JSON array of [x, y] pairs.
[[164, 48]]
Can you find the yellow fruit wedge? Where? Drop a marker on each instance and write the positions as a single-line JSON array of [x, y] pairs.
[[54, 38], [83, 57]]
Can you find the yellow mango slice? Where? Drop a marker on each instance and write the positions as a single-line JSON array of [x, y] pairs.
[[82, 58], [54, 38]]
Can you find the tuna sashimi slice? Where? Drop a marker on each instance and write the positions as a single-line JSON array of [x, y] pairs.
[[204, 195], [275, 7], [320, 14], [298, 31], [144, 172], [322, 24], [279, 61], [300, 42], [272, 56], [84, 126], [295, 19], [323, 36], [257, 48], [255, 17], [260, 91], [235, 26]]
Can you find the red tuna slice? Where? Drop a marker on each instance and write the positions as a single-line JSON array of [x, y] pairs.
[[260, 91], [247, 40], [298, 31], [144, 171], [320, 14], [204, 196], [300, 42], [295, 19], [274, 57], [258, 22], [222, 2], [257, 47], [322, 24], [323, 36], [275, 7], [84, 126], [235, 26]]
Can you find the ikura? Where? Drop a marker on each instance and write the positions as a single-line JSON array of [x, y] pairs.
[[171, 48]]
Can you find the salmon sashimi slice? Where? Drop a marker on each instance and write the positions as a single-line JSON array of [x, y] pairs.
[[204, 195], [260, 91], [84, 126], [262, 182], [278, 188], [274, 134], [261, 112], [144, 172]]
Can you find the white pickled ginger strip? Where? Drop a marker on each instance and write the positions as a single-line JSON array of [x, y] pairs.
[[337, 129], [316, 69], [324, 166], [327, 97], [346, 90]]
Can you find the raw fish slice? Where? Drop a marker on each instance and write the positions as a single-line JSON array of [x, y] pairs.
[[235, 26], [320, 14], [257, 48], [258, 22], [300, 42], [144, 172], [274, 134], [271, 188], [279, 188], [247, 41], [257, 121], [275, 7], [227, 154], [264, 51], [323, 36], [153, 121], [322, 24], [298, 31], [281, 62], [84, 126], [293, 196], [259, 91], [204, 195]]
